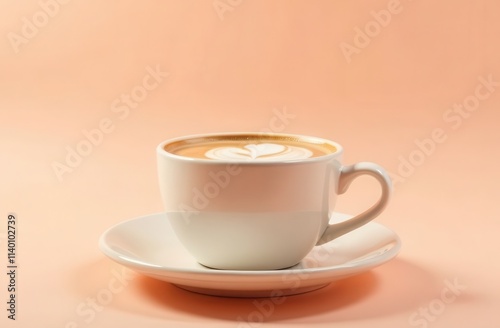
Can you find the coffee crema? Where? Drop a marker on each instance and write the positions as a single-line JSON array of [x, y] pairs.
[[249, 148]]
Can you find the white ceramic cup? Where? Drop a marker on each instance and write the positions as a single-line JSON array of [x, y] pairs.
[[259, 215]]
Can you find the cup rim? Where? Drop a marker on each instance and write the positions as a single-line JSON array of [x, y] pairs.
[[162, 152]]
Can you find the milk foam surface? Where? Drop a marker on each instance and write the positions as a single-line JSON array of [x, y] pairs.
[[259, 152]]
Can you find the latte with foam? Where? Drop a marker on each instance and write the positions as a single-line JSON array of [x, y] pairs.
[[250, 147]]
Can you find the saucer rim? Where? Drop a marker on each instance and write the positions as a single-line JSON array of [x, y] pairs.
[[146, 268]]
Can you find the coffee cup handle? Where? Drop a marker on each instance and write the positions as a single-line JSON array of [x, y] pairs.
[[347, 175]]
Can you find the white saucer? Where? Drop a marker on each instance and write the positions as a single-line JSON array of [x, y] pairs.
[[148, 245]]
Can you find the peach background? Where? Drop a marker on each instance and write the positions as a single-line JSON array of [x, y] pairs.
[[232, 74]]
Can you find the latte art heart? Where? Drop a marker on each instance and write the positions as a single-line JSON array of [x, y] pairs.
[[259, 152]]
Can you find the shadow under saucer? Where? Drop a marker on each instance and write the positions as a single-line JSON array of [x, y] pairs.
[[398, 286]]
